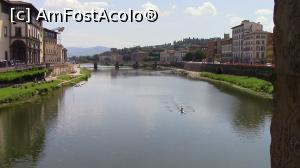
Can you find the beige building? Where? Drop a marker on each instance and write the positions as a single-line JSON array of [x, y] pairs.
[[214, 51], [117, 58], [226, 47], [171, 56], [238, 34], [255, 47], [4, 32], [61, 54], [53, 52], [42, 52], [270, 49], [139, 56], [25, 41]]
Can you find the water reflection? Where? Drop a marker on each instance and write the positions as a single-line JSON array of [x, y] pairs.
[[131, 118], [250, 113], [23, 129]]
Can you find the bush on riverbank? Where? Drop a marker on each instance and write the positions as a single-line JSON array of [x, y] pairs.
[[19, 76], [25, 91], [85, 73], [255, 84], [28, 90]]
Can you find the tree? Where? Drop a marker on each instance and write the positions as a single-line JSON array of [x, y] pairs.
[[197, 56]]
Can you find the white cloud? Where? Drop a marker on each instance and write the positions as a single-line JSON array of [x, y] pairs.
[[266, 22], [207, 8], [75, 4], [262, 19], [264, 12], [235, 20], [173, 7], [265, 18], [148, 5]]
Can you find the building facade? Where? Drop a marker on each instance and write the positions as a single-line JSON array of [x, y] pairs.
[[270, 49], [4, 32], [139, 56], [238, 33], [226, 45], [171, 56], [214, 51], [255, 47], [51, 53], [25, 41], [22, 43]]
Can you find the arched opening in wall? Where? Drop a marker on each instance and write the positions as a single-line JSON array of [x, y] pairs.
[[18, 50]]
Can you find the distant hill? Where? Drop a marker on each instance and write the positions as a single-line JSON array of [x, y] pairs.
[[78, 51]]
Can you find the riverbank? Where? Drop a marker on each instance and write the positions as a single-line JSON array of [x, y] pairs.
[[22, 76], [28, 90], [250, 85]]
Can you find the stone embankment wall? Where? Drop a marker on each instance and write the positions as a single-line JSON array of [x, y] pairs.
[[56, 70], [261, 72]]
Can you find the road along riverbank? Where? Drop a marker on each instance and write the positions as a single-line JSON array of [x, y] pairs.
[[250, 85]]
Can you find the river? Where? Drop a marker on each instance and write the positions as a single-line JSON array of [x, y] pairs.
[[132, 119]]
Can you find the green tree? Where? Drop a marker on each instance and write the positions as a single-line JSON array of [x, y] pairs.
[[197, 56]]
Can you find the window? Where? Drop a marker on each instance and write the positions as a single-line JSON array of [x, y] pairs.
[[6, 55], [18, 32], [5, 31]]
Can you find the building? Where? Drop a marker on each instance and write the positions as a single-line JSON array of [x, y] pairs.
[[139, 56], [25, 39], [65, 55], [4, 32], [42, 52], [105, 59], [226, 51], [171, 56], [238, 33], [203, 48], [255, 47], [60, 54], [117, 58], [214, 51], [23, 43], [270, 49], [54, 52], [50, 47]]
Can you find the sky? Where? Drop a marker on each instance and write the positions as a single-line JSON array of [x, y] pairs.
[[178, 19]]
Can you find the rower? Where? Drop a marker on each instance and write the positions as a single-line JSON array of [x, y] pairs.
[[181, 110]]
